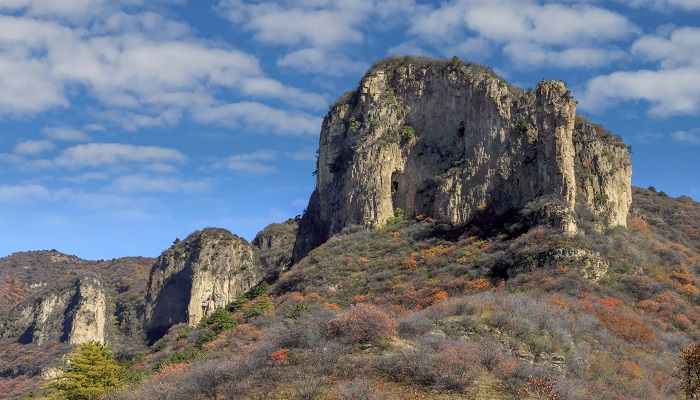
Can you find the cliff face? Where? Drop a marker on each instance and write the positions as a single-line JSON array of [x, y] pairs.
[[75, 313], [449, 139], [274, 246], [194, 277]]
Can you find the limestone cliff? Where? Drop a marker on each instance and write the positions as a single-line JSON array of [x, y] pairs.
[[450, 139], [274, 246], [190, 280], [75, 313]]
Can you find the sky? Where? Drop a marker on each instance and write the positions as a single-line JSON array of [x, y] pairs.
[[125, 124]]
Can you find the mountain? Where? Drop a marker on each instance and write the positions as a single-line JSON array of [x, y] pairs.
[[466, 239], [451, 140]]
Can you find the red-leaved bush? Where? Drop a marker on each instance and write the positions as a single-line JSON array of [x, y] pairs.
[[363, 322]]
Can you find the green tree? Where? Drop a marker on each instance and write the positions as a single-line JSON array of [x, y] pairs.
[[221, 320], [92, 370]]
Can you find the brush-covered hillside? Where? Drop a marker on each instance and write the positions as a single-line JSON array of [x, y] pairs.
[[422, 309]]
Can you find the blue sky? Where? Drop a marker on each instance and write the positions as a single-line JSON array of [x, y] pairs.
[[125, 124]]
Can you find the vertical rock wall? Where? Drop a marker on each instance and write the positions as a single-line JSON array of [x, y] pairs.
[[76, 313], [449, 140], [194, 277]]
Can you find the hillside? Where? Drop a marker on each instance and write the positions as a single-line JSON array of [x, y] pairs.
[[423, 308], [466, 239], [35, 275]]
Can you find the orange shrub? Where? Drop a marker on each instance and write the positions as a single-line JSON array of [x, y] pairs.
[[281, 356], [411, 263], [362, 323], [560, 303], [358, 298]]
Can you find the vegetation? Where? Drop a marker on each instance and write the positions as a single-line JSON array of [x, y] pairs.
[[419, 307], [92, 371], [408, 133], [354, 125], [689, 371]]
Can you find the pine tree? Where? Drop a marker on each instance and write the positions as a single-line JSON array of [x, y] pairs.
[[92, 370]]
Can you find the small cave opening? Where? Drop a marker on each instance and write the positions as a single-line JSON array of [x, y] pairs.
[[460, 131]]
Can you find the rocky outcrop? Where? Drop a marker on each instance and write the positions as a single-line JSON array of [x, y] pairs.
[[74, 313], [450, 140], [274, 246], [195, 276]]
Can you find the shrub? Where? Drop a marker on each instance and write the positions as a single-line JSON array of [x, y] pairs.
[[358, 388], [205, 337], [408, 133], [354, 125], [373, 122], [689, 371], [362, 323], [263, 306]]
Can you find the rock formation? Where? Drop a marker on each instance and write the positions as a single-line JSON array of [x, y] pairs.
[[190, 280], [74, 313], [450, 139], [274, 246]]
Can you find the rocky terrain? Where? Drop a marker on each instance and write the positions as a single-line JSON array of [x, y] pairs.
[[466, 238]]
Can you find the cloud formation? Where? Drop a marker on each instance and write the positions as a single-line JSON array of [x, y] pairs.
[[527, 32], [144, 70], [101, 154], [251, 163], [672, 88]]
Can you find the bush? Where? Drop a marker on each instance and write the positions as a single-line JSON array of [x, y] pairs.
[[358, 388], [205, 337], [362, 323]]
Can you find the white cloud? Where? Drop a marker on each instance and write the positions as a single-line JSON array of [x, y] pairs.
[[252, 163], [323, 24], [144, 70], [527, 54], [87, 177], [672, 89], [314, 30], [99, 154], [664, 5], [141, 183], [326, 61], [686, 137], [670, 92], [266, 87], [260, 117], [64, 133], [23, 193], [681, 47], [565, 35], [31, 147]]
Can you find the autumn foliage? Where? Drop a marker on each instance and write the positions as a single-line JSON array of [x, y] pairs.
[[363, 322]]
